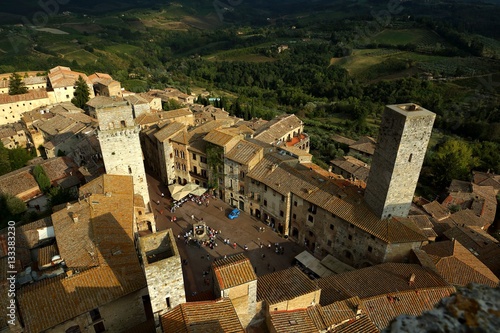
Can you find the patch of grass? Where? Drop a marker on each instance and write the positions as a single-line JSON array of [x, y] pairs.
[[407, 36], [81, 56]]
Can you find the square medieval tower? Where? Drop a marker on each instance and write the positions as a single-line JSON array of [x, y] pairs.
[[404, 134], [120, 144]]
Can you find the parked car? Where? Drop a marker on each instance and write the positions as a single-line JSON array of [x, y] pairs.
[[234, 214]]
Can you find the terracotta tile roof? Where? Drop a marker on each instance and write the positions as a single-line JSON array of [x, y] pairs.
[[46, 253], [340, 197], [486, 179], [465, 217], [365, 144], [200, 131], [254, 123], [353, 166], [221, 137], [135, 100], [342, 139], [382, 309], [459, 266], [59, 167], [365, 282], [29, 96], [292, 321], [243, 152], [61, 76], [162, 116], [200, 317], [363, 325], [105, 101], [284, 285], [233, 271], [480, 243], [436, 210], [277, 128], [102, 235], [340, 311], [422, 222], [20, 183], [168, 130]]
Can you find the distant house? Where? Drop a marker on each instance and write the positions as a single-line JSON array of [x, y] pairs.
[[61, 84], [350, 167], [364, 147]]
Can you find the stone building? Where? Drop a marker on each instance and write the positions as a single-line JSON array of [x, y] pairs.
[[163, 269], [61, 84], [101, 286], [405, 131], [13, 136], [120, 144], [285, 130], [104, 85], [12, 107], [234, 278]]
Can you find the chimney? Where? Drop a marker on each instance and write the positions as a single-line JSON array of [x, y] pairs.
[[75, 217], [411, 281]]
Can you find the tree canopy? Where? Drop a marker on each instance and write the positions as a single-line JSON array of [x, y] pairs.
[[453, 160], [82, 94], [16, 85]]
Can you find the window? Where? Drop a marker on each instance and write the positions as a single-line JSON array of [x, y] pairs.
[[183, 156], [171, 155], [310, 218], [282, 213], [194, 157], [331, 227], [370, 249], [129, 170], [282, 198], [409, 158], [67, 96], [265, 188], [265, 202], [295, 203], [176, 153], [168, 302], [350, 237], [195, 170], [204, 173], [95, 315], [372, 237], [312, 208], [347, 254], [203, 159], [122, 123], [351, 225], [329, 243], [294, 216]]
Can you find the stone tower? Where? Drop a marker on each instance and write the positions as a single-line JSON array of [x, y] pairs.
[[120, 144], [162, 266], [404, 134]]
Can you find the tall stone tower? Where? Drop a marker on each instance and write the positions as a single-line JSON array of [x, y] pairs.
[[120, 144], [404, 134]]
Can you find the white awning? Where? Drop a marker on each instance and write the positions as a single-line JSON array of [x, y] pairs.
[[312, 263]]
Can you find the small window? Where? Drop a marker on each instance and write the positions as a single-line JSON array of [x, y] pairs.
[[265, 202], [310, 218], [282, 213], [348, 254], [331, 227], [95, 314], [372, 237], [294, 216], [122, 123], [129, 170], [351, 226], [350, 237], [168, 302], [194, 157], [295, 203], [409, 158], [282, 198], [370, 249]]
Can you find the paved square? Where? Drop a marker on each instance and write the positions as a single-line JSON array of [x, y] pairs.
[[244, 231]]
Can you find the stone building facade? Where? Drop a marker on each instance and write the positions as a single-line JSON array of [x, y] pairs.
[[120, 144], [405, 131], [162, 266]]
